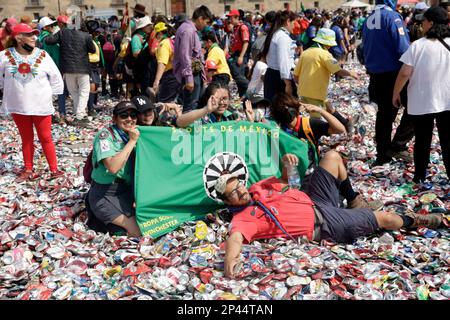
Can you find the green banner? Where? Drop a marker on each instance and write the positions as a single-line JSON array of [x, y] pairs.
[[176, 168]]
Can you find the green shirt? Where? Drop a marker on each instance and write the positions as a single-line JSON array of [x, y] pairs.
[[52, 49], [138, 41], [105, 146]]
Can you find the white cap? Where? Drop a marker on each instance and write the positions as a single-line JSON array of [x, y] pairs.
[[221, 183], [143, 22], [46, 21], [421, 6]]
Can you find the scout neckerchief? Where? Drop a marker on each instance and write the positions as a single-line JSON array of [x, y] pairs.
[[268, 212], [121, 134]]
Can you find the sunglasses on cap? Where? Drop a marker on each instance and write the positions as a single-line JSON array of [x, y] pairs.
[[125, 115]]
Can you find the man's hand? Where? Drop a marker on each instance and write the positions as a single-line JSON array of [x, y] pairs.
[[240, 60], [396, 100], [290, 159], [249, 111], [156, 86], [134, 134], [230, 263], [354, 75], [189, 86]]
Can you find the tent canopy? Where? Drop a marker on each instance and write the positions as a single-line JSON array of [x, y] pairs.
[[355, 4]]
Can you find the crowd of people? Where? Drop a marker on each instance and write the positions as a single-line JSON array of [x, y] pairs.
[[177, 72]]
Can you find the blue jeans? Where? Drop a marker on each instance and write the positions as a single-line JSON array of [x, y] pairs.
[[190, 99]]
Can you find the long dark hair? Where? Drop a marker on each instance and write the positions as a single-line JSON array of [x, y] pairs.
[[281, 18], [438, 31], [211, 90], [284, 109]]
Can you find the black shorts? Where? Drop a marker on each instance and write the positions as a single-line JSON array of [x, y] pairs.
[[109, 201], [340, 225]]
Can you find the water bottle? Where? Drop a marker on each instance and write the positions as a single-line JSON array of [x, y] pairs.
[[293, 177]]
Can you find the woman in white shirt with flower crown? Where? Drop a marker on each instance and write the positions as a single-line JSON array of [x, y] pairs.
[[29, 78], [426, 64]]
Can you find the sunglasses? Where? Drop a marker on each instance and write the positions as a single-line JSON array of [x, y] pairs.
[[125, 115]]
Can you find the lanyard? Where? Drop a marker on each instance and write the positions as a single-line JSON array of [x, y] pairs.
[[122, 134], [267, 212]]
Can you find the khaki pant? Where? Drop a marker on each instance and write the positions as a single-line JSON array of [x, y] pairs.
[[79, 87], [316, 102]]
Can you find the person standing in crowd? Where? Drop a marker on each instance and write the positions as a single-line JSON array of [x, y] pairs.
[[5, 32], [311, 32], [140, 54], [314, 69], [47, 26], [258, 46], [138, 13], [110, 198], [188, 60], [96, 61], [384, 42], [217, 55], [75, 45], [239, 45], [426, 64], [414, 26], [256, 85], [279, 50], [339, 52], [219, 30], [165, 86], [29, 77]]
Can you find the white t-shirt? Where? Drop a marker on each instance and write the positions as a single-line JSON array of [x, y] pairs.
[[29, 83], [429, 85], [256, 85]]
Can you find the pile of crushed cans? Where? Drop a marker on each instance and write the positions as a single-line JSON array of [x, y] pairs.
[[47, 252]]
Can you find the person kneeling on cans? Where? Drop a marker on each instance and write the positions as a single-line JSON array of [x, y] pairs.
[[111, 195], [270, 209]]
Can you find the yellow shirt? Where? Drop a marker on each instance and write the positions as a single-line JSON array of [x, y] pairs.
[[164, 53], [217, 55], [314, 70], [95, 57]]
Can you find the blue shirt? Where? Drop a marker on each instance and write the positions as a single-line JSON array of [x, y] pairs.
[[337, 50], [384, 40]]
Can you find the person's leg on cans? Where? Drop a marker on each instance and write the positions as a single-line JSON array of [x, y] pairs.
[[423, 128], [443, 126]]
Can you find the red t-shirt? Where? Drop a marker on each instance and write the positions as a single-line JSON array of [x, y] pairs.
[[240, 34], [295, 212]]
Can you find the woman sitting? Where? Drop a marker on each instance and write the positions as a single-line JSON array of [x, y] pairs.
[[110, 198]]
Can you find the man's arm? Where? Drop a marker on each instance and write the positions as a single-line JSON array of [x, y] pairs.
[[232, 252], [345, 73], [402, 78], [53, 39]]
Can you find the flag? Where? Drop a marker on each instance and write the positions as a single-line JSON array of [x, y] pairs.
[[176, 169], [303, 7]]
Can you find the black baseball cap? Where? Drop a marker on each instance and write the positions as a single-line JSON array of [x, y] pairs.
[[124, 106], [435, 14], [142, 103]]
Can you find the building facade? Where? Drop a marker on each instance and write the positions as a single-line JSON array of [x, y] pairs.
[[39, 8]]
